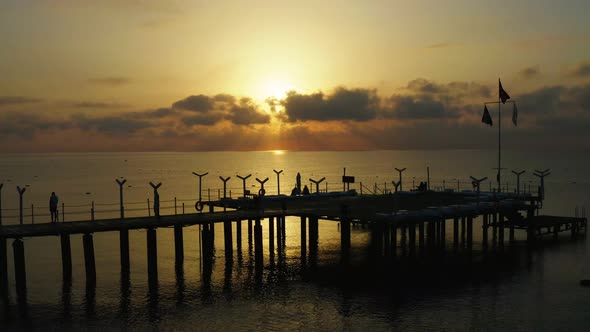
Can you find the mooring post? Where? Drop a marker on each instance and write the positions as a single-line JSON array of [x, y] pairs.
[[200, 183], [455, 233], [317, 184], [303, 238], [152, 256], [244, 178], [121, 183], [156, 198], [66, 257], [89, 262], [178, 244], [20, 274], [271, 236], [400, 178], [228, 239], [258, 243], [124, 250], [20, 202]]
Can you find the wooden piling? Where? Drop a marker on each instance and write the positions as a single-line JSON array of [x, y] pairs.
[[66, 257], [345, 238], [250, 232], [178, 244], [89, 262], [501, 232], [3, 268], [303, 237], [455, 233], [239, 235], [421, 237], [124, 249], [484, 230], [20, 274], [430, 236], [393, 230], [279, 233], [443, 234], [258, 243], [494, 230], [463, 229], [469, 234], [556, 233], [412, 238], [271, 234], [228, 239], [404, 240], [152, 255]]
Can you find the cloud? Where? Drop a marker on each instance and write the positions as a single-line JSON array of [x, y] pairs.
[[202, 119], [17, 100], [417, 108], [200, 103], [91, 104], [246, 113], [112, 81], [441, 45], [342, 104], [113, 125], [581, 70], [27, 125], [530, 72]]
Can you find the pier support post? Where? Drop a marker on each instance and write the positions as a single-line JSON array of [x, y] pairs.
[[258, 243], [206, 247], [279, 233], [89, 262], [404, 239], [421, 237], [228, 239], [469, 233], [124, 249], [484, 230], [239, 235], [178, 244], [152, 256], [3, 268], [443, 234], [66, 257], [412, 236], [455, 233], [556, 233], [501, 232], [344, 235], [271, 235], [511, 233], [313, 239], [393, 231], [303, 238], [250, 232], [494, 230], [20, 274], [430, 237], [463, 229]]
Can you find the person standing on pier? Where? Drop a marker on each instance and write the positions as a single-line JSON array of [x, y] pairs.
[[53, 200]]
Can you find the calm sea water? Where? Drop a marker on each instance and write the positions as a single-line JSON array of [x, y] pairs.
[[530, 291]]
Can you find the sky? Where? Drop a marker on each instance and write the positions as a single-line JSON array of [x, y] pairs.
[[147, 75]]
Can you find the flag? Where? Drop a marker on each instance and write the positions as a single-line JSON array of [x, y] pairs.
[[486, 118], [515, 115], [503, 94]]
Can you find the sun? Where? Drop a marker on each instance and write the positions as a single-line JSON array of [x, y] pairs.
[[273, 88]]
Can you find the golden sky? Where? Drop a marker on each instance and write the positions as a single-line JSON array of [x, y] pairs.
[[198, 75]]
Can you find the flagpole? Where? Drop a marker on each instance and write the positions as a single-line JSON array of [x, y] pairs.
[[499, 142]]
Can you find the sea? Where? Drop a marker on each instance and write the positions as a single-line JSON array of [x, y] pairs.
[[521, 290]]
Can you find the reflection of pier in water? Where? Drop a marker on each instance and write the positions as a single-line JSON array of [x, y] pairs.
[[403, 226]]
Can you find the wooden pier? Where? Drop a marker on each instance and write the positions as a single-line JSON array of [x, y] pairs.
[[410, 224]]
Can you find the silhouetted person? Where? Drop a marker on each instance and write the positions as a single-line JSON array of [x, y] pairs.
[[156, 204], [298, 182], [305, 190], [295, 191], [422, 186], [53, 200]]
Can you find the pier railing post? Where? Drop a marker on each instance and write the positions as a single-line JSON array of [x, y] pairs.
[[20, 191], [244, 178], [121, 183]]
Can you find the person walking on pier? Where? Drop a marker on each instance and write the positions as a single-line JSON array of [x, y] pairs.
[[53, 200]]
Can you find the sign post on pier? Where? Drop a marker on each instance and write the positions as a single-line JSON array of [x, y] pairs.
[[224, 185], [156, 199], [200, 180], [121, 183], [244, 178], [476, 183], [278, 180], [346, 181], [541, 175], [261, 192], [317, 184], [21, 191], [400, 178], [518, 174]]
